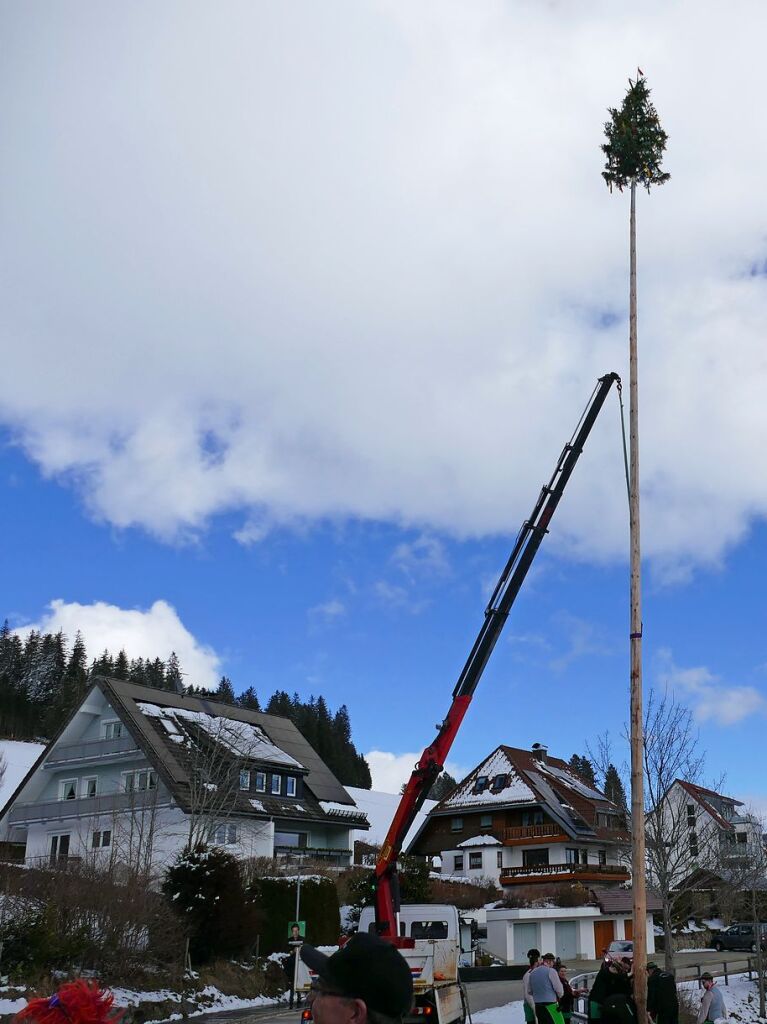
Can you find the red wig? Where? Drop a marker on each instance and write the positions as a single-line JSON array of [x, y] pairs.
[[77, 1002]]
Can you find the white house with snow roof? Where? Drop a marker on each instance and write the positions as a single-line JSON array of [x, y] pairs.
[[136, 773], [522, 817]]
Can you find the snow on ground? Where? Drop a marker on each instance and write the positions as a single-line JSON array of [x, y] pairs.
[[506, 1014], [19, 758], [379, 809], [12, 1005]]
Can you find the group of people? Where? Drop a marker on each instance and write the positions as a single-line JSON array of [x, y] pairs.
[[549, 997], [367, 981]]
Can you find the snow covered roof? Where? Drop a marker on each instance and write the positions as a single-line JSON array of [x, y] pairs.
[[379, 808], [242, 738], [278, 731], [505, 785], [18, 758], [480, 841]]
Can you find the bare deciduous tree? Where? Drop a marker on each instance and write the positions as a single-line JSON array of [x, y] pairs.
[[677, 840]]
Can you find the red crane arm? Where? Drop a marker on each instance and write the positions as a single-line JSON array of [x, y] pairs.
[[432, 760]]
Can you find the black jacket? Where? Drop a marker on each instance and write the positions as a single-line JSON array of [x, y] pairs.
[[662, 999]]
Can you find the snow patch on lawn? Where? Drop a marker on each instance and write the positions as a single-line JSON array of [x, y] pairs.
[[499, 1014]]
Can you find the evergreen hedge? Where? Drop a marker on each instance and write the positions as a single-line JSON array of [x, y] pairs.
[[275, 898]]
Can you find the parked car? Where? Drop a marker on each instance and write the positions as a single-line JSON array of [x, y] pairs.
[[739, 936], [620, 948]]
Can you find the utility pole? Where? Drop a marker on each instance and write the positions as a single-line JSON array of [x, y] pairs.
[[634, 151]]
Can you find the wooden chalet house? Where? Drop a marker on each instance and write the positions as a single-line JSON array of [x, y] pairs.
[[523, 818]]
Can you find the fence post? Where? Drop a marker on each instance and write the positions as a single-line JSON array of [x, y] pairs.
[[697, 973], [726, 979]]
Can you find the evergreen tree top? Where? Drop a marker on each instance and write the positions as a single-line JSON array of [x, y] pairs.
[[635, 141]]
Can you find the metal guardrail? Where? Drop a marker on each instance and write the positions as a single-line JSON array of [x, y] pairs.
[[63, 753], [564, 869], [84, 806]]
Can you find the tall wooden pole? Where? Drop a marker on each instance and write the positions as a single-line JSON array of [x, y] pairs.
[[638, 863]]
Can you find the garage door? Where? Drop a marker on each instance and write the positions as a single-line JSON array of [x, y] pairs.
[[566, 939], [604, 933], [525, 937]]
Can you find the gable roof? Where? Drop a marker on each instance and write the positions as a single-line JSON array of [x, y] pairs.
[[527, 780], [270, 739], [703, 797], [621, 901]]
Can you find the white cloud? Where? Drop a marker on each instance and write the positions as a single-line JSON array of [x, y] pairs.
[[390, 770], [708, 697], [379, 287], [393, 596], [150, 633], [327, 612], [581, 637], [425, 556]]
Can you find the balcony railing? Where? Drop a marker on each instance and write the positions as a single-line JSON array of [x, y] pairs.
[[532, 831], [86, 806], [615, 871], [64, 753]]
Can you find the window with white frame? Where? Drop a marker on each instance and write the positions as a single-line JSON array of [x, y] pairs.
[[139, 781], [244, 779], [113, 730], [225, 835], [276, 785], [475, 860], [90, 787], [101, 839], [290, 786], [68, 789], [59, 847], [260, 782]]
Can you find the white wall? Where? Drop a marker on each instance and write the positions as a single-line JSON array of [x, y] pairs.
[[503, 938]]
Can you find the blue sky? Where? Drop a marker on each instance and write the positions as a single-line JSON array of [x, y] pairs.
[[298, 306]]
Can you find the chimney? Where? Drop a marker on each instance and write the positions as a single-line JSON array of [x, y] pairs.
[[540, 750]]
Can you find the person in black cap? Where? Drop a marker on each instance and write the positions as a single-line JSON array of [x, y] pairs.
[[662, 999], [528, 1003], [366, 980]]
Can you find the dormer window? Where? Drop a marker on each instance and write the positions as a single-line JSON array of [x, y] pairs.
[[481, 784], [500, 782]]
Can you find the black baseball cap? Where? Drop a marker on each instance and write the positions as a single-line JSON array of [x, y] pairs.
[[366, 968]]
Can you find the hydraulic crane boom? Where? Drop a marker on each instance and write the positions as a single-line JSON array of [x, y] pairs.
[[433, 758]]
